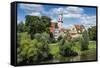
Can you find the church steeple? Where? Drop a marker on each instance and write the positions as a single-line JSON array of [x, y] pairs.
[[60, 19]]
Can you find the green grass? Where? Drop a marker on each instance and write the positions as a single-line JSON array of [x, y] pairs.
[[54, 47], [92, 44], [76, 47]]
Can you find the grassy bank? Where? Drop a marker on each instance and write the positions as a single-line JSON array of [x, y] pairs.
[[54, 47]]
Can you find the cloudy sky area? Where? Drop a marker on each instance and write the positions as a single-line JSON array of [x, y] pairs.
[[71, 14]]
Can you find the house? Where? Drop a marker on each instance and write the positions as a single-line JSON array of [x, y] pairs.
[[76, 30]]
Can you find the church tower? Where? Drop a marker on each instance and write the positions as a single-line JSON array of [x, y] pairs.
[[60, 20]]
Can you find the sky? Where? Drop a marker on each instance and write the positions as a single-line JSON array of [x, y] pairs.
[[71, 14]]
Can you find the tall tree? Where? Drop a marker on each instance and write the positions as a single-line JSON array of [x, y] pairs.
[[20, 27], [84, 40], [92, 33], [45, 23], [37, 24]]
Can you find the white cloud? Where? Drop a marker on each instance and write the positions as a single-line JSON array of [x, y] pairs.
[[56, 10], [68, 11], [74, 10], [88, 20], [29, 6], [35, 14], [70, 15]]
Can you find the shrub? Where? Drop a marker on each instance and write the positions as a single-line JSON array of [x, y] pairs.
[[66, 47], [43, 41], [32, 51], [26, 51], [59, 38], [84, 41], [92, 33], [76, 39]]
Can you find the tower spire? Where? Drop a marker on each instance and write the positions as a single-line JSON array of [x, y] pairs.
[[60, 19]]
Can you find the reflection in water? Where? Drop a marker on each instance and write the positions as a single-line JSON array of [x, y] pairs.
[[83, 56], [88, 55]]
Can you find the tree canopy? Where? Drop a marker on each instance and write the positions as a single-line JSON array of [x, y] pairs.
[[92, 33], [37, 24]]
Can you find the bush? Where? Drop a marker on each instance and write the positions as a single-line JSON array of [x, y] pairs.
[[32, 51], [26, 51], [84, 41], [43, 41], [59, 38], [66, 47], [92, 33], [76, 39]]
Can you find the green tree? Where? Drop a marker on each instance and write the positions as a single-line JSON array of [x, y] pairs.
[[32, 51], [66, 46], [84, 40], [43, 41], [92, 33], [37, 24], [45, 23], [32, 22], [20, 27], [24, 48]]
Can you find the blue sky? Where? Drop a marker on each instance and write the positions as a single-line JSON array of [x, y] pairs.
[[71, 14]]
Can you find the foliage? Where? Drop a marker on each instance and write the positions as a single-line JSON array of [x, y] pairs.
[[66, 46], [37, 24], [43, 42], [76, 39], [92, 44], [92, 33], [20, 27], [54, 50], [25, 49], [32, 41], [45, 22], [84, 41], [59, 38], [32, 51]]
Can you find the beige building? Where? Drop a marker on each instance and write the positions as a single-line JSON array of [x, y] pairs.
[[76, 30]]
